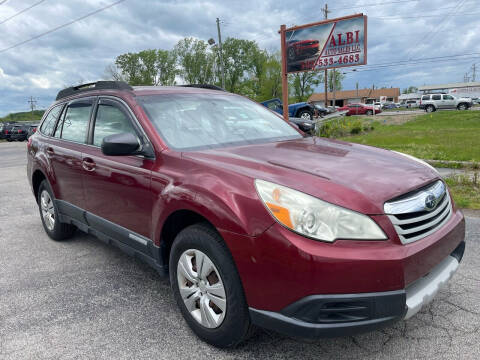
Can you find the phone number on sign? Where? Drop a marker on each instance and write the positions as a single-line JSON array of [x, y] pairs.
[[331, 61]]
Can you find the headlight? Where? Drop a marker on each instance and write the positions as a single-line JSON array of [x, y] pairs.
[[417, 160], [315, 218]]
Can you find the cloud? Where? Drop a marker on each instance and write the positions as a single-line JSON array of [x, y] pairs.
[[81, 51]]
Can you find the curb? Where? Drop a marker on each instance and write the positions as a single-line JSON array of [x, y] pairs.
[[454, 164]]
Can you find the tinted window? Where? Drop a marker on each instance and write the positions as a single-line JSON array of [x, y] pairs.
[[110, 120], [436, 97], [195, 121], [49, 123], [75, 122], [447, 97], [426, 97]]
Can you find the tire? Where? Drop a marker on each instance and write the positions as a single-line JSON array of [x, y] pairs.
[[233, 326], [305, 114], [369, 112], [430, 108], [462, 106], [9, 140], [56, 231]]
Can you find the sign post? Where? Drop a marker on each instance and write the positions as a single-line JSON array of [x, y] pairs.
[[327, 44], [284, 74]]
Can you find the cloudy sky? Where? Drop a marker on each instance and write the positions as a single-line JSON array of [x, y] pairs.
[[411, 42]]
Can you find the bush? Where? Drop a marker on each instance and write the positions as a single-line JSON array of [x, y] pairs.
[[342, 127]]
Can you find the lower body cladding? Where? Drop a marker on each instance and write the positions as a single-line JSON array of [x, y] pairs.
[[340, 315]]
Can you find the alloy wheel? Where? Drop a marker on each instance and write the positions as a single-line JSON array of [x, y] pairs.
[[48, 212], [201, 288]]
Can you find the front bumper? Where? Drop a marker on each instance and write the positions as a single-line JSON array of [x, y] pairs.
[[341, 315]]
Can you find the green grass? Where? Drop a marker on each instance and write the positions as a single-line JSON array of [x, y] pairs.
[[465, 191], [443, 135]]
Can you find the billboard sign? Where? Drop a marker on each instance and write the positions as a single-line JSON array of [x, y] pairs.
[[328, 44]]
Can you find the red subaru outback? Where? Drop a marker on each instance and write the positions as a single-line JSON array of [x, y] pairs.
[[254, 223]]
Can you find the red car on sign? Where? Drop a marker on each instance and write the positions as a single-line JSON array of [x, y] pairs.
[[359, 109], [299, 49]]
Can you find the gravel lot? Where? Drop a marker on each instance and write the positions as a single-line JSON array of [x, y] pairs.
[[83, 299]]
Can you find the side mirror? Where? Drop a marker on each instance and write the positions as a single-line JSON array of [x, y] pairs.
[[120, 144]]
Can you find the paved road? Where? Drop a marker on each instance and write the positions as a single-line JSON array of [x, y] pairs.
[[83, 299]]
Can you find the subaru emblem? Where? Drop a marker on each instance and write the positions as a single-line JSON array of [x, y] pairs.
[[430, 202]]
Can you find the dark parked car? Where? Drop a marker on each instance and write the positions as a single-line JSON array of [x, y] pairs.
[[19, 132], [299, 49], [359, 109], [306, 125], [255, 224], [32, 128], [6, 131]]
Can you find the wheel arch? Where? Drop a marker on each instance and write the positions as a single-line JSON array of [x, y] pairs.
[[174, 224], [37, 178]]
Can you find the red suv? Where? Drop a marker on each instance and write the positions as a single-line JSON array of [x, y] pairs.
[[254, 223]]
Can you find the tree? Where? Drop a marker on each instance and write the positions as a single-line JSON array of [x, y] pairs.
[[410, 90], [303, 84], [166, 67], [195, 61], [242, 59], [338, 80]]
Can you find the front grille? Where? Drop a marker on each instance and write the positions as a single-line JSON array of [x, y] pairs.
[[410, 216]]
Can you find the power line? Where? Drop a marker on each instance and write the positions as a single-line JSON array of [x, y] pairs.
[[20, 12], [61, 26], [376, 4]]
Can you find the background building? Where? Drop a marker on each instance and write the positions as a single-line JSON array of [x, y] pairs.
[[469, 89], [366, 96]]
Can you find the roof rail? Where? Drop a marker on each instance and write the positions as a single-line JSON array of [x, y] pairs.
[[205, 86], [99, 85]]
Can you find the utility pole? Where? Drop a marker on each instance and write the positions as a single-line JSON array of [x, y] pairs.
[[325, 13], [33, 104], [222, 69], [473, 72]]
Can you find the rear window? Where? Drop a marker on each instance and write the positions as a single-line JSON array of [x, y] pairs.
[[436, 97], [49, 123], [426, 97], [75, 122]]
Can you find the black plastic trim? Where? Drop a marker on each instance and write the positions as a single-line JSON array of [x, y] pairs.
[[128, 241], [459, 251], [304, 318], [99, 85]]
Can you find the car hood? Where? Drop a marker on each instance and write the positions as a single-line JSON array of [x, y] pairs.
[[355, 176]]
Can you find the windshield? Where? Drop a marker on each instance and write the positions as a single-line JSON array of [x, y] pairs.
[[202, 121]]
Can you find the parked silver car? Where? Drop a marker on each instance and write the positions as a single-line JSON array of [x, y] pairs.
[[433, 102]]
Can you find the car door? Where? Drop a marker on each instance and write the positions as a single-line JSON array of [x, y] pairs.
[[448, 101], [117, 188], [64, 151], [437, 100]]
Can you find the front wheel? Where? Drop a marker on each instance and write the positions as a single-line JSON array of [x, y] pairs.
[[305, 114], [462, 107], [369, 112], [207, 287]]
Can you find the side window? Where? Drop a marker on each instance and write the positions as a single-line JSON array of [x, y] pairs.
[[426, 97], [447, 97], [75, 122], [49, 123], [110, 120], [436, 97]]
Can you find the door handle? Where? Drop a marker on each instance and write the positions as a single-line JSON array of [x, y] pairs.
[[49, 151], [88, 164]]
